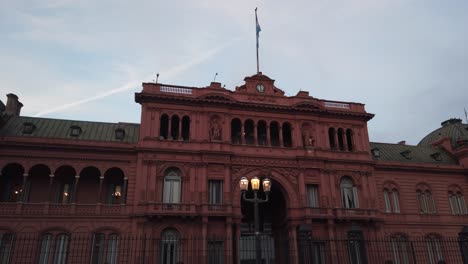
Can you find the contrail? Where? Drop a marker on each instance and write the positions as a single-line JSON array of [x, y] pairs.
[[133, 84]]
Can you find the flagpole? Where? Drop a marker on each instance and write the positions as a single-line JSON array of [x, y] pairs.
[[256, 36]]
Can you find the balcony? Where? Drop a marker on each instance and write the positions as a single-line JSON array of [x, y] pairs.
[[318, 212], [52, 209], [153, 208], [355, 214]]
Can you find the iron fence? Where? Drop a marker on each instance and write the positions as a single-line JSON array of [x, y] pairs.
[[111, 248]]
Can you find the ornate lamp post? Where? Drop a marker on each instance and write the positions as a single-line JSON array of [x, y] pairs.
[[255, 183]]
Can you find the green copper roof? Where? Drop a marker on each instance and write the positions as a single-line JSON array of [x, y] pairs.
[[22, 126], [410, 154], [452, 128]]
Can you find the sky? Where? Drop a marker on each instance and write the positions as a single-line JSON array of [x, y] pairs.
[[406, 60]]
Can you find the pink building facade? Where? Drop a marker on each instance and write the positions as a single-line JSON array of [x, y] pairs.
[[176, 175]]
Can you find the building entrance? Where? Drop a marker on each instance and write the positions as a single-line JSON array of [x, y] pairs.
[[273, 228]]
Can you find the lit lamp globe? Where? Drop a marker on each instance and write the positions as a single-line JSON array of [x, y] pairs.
[[266, 185], [255, 182], [244, 184]]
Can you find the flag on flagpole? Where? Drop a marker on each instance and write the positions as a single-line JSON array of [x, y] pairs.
[[466, 116], [258, 28]]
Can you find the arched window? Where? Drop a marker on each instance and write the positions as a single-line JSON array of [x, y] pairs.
[[164, 127], [6, 247], [262, 133], [64, 182], [434, 250], [331, 138], [236, 126], [249, 132], [175, 123], [172, 186], [349, 139], [104, 251], [349, 193], [11, 183], [341, 139], [54, 249], [274, 134], [114, 186], [457, 203], [185, 128], [392, 201], [426, 201], [38, 181], [287, 137], [170, 247]]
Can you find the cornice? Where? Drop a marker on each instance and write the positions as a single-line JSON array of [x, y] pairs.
[[145, 97]]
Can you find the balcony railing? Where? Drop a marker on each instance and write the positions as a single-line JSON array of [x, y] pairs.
[[150, 208], [355, 213], [47, 209]]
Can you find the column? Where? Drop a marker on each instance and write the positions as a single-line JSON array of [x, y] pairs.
[[51, 182], [204, 238], [280, 132], [228, 245], [156, 123], [101, 180], [169, 127], [302, 194], [180, 129], [75, 189], [24, 195], [227, 185], [255, 134], [331, 238], [242, 134], [293, 244], [268, 143], [124, 191], [204, 184], [335, 139], [345, 141]]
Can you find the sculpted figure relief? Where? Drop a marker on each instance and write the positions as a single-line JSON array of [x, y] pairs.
[[215, 129]]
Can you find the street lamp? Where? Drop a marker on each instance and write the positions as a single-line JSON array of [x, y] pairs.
[[255, 184]]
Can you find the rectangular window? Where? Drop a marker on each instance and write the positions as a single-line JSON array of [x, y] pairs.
[[453, 204], [215, 252], [400, 251], [45, 249], [171, 193], [462, 205], [388, 207], [98, 249], [112, 244], [6, 244], [61, 249], [216, 191], [312, 196], [318, 253]]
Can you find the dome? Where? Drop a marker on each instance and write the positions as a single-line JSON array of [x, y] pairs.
[[452, 128]]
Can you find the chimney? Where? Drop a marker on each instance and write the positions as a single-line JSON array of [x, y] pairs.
[[403, 142], [13, 105]]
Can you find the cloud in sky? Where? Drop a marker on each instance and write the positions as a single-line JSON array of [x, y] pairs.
[[405, 59]]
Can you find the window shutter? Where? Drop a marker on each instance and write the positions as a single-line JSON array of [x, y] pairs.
[[396, 201]]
